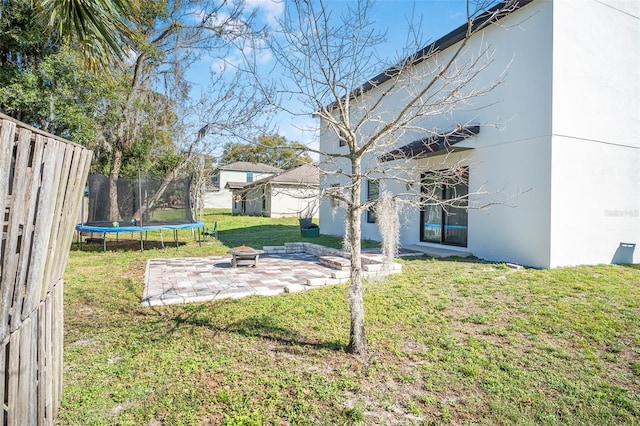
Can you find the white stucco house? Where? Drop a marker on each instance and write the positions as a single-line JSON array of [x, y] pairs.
[[240, 172], [291, 193], [556, 145]]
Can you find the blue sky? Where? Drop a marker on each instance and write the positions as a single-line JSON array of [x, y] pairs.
[[431, 19]]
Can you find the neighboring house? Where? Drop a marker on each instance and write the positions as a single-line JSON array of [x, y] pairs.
[[556, 145], [240, 172], [293, 193]]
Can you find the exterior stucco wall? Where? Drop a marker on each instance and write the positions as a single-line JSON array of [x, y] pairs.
[[596, 133], [236, 206], [292, 201], [510, 165], [516, 176], [280, 201], [254, 199], [595, 202], [596, 66], [223, 199]]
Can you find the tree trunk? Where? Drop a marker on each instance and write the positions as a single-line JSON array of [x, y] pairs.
[[114, 174], [357, 338]]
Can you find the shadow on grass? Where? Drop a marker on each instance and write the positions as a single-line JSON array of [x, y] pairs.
[[631, 265], [264, 327], [258, 326], [124, 245], [210, 212], [271, 235]]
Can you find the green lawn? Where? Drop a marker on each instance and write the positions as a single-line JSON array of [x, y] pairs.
[[452, 342]]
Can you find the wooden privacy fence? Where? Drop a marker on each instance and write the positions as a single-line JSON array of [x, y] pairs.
[[41, 184]]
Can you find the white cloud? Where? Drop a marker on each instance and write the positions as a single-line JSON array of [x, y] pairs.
[[260, 53], [256, 53], [272, 9], [220, 65]]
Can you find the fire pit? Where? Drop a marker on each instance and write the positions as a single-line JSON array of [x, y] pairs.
[[244, 255]]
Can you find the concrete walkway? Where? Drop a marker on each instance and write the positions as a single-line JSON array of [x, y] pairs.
[[187, 280], [439, 252]]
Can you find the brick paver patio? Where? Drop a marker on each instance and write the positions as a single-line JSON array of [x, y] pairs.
[[185, 280]]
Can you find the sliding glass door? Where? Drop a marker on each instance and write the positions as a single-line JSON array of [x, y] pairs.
[[444, 217], [431, 224]]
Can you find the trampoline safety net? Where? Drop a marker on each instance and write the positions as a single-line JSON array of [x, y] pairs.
[[144, 201]]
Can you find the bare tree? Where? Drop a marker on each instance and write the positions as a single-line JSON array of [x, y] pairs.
[[327, 59], [229, 109], [201, 175], [153, 96]]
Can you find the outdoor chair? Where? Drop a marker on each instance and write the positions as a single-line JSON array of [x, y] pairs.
[[211, 232]]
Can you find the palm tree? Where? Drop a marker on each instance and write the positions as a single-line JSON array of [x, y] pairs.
[[100, 28]]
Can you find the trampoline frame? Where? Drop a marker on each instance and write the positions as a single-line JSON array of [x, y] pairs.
[[104, 230]]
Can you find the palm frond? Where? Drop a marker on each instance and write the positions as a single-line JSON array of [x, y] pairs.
[[100, 29]]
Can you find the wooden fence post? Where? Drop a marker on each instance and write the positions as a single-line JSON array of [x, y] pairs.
[[42, 179]]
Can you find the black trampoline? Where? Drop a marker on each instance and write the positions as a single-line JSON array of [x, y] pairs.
[[146, 203]]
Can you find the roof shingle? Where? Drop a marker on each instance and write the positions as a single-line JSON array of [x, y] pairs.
[[305, 175], [250, 167]]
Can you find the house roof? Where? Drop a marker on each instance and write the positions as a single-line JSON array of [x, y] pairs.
[[433, 145], [250, 167], [304, 175], [236, 185], [307, 174], [491, 15]]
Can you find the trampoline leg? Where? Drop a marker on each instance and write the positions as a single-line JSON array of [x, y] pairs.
[[141, 243], [161, 239], [104, 242], [175, 237]]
